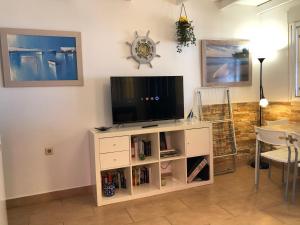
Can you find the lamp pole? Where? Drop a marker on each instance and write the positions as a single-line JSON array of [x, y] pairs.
[[263, 165], [262, 103], [261, 90]]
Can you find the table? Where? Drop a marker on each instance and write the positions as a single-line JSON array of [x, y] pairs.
[[292, 127]]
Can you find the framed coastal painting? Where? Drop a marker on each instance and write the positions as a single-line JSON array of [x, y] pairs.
[[226, 63], [37, 58]]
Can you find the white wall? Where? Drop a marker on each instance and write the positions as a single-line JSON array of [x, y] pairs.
[[33, 118]]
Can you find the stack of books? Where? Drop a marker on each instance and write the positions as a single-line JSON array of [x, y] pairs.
[[116, 177], [141, 175], [169, 153], [140, 148]]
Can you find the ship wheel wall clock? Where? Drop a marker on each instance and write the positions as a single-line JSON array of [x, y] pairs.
[[143, 49]]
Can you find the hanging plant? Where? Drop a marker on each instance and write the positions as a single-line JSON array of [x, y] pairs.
[[184, 31]]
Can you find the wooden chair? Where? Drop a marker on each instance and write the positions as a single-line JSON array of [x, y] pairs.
[[283, 155], [295, 140], [283, 121]]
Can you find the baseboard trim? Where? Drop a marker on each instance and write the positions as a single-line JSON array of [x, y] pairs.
[[50, 196]]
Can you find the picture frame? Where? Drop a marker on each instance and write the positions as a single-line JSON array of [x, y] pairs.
[[40, 58], [226, 63]]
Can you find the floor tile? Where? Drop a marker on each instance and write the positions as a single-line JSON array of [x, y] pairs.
[[201, 216], [249, 204], [257, 218], [154, 221], [113, 215], [155, 209], [287, 213], [231, 200], [18, 221], [46, 218]]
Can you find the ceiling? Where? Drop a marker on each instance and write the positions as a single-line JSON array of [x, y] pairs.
[[243, 2], [252, 2], [261, 5]]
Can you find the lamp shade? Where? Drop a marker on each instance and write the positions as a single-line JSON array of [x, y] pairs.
[[263, 102]]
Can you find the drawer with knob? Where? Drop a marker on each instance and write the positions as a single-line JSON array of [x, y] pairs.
[[114, 160], [114, 144]]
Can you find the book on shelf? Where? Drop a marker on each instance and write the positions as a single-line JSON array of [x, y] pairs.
[[162, 138], [140, 148], [165, 140], [196, 169], [141, 175], [149, 176], [169, 153], [119, 180], [147, 147], [168, 140], [132, 148], [115, 177]]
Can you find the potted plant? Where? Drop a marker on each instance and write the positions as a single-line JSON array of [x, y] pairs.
[[184, 31]]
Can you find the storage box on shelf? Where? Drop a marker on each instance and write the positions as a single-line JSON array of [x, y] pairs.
[[135, 154]]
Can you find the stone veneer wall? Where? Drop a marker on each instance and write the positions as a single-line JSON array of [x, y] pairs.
[[245, 118]]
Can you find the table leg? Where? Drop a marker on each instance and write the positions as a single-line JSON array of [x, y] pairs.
[[257, 163], [295, 176]]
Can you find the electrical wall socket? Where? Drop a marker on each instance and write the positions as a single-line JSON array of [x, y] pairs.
[[49, 151]]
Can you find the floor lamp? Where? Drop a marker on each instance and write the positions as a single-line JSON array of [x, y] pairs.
[[263, 103]]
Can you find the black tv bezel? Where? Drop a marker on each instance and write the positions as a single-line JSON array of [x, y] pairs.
[[150, 120]]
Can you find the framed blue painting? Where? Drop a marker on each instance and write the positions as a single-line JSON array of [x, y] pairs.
[[226, 63], [37, 58]]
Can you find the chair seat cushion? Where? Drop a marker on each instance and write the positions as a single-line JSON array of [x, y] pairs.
[[280, 155]]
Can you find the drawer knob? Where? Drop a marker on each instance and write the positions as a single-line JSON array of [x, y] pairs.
[[114, 144], [115, 160]]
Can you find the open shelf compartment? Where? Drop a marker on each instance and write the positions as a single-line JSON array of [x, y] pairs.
[[198, 169], [172, 145], [145, 178], [121, 180], [173, 173], [144, 149]]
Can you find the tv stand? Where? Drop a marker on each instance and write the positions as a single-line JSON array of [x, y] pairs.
[[151, 125], [115, 159]]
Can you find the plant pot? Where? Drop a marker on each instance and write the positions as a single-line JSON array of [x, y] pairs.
[[185, 35]]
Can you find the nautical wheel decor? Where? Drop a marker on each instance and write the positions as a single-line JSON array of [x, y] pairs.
[[143, 49], [184, 31]]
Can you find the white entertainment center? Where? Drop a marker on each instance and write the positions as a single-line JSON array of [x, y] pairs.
[[112, 151]]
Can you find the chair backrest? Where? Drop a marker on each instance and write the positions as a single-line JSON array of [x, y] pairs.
[[272, 137], [296, 140], [277, 122]]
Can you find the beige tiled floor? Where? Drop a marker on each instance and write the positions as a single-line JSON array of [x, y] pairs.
[[231, 200]]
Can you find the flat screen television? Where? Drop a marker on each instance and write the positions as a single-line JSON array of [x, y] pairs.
[[141, 99]]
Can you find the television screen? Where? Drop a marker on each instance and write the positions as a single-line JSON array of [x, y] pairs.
[[140, 99]]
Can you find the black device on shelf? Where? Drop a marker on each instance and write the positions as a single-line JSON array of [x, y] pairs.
[[142, 99], [102, 128]]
